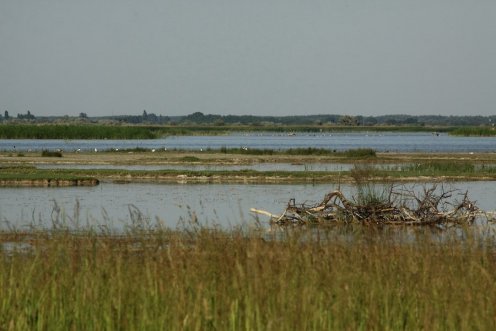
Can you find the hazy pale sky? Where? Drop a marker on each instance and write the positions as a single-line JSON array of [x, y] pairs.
[[259, 57]]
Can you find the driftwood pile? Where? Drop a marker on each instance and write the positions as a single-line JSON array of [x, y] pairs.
[[404, 207]]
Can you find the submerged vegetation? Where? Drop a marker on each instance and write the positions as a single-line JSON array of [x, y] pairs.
[[201, 278]]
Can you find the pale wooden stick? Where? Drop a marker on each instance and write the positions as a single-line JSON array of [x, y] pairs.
[[263, 212]]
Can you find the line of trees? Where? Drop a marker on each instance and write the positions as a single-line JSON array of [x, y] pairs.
[[333, 119], [199, 118], [28, 116]]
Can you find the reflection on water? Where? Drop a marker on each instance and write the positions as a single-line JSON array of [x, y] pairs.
[[224, 204]]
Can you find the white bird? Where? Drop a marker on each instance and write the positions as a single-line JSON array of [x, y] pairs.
[[153, 150], [96, 150]]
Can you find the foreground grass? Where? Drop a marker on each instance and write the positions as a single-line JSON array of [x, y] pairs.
[[200, 279]]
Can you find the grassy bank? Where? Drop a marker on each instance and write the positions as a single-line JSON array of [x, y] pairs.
[[423, 171], [26, 176], [224, 176], [199, 279]]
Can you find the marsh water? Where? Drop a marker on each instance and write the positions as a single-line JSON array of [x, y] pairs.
[[118, 205], [381, 142]]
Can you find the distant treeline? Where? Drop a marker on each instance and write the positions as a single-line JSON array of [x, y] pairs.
[[323, 119], [199, 118]]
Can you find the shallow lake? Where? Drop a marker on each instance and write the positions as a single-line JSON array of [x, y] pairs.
[[116, 205], [385, 141]]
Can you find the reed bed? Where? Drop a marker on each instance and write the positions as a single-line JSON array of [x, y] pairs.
[[87, 131], [486, 131], [199, 278]]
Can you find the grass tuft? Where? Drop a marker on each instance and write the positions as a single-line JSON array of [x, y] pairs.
[[189, 158], [47, 153]]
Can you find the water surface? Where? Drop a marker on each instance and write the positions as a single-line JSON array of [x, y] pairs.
[[382, 142], [116, 204]]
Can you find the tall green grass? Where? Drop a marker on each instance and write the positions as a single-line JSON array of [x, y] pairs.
[[474, 131], [210, 279], [101, 131], [441, 168], [23, 131], [446, 168]]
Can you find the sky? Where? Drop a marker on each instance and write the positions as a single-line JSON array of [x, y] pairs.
[[240, 57]]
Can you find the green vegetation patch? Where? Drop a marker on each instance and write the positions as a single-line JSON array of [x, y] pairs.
[[31, 173], [360, 153], [189, 158], [46, 153], [474, 131], [441, 168], [50, 131]]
